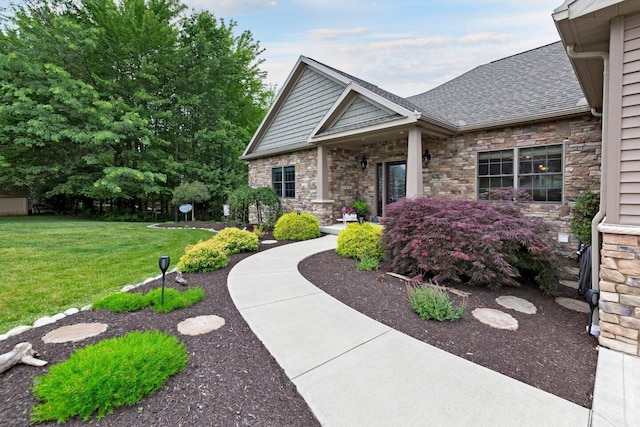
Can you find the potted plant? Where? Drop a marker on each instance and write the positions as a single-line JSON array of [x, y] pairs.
[[361, 207], [349, 214]]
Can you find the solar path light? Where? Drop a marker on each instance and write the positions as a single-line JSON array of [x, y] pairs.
[[163, 263]]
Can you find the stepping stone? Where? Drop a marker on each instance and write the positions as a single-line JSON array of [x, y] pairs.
[[574, 271], [574, 304], [495, 318], [200, 325], [269, 242], [74, 333], [569, 283], [517, 304]]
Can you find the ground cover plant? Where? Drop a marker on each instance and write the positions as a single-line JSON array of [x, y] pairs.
[[57, 262], [296, 226], [430, 303], [112, 373], [131, 301], [483, 243]]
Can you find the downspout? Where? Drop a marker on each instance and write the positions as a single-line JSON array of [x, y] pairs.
[[595, 237]]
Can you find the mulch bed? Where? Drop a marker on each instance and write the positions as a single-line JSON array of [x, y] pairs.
[[231, 379]]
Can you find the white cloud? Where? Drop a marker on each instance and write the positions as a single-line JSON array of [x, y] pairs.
[[475, 38], [224, 8], [332, 34]]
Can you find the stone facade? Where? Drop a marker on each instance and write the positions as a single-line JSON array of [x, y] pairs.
[[451, 172], [619, 307]]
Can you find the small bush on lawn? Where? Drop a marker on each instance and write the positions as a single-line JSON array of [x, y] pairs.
[[173, 299], [360, 240], [121, 302], [235, 240], [208, 255], [112, 373], [480, 242], [586, 207], [431, 303], [368, 263], [296, 226]]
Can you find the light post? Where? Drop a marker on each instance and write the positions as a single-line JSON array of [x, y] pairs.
[[163, 263]]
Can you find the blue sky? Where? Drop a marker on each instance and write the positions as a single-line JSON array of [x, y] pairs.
[[405, 47]]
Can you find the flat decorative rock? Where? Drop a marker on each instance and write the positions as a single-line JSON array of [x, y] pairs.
[[574, 304], [18, 330], [269, 242], [46, 320], [517, 304], [569, 283], [200, 325], [495, 318], [74, 333]]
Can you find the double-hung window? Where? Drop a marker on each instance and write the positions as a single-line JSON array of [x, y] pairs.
[[538, 170], [283, 181]]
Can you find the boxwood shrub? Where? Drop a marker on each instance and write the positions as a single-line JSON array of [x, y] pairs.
[[207, 255], [360, 241], [296, 226], [235, 240]]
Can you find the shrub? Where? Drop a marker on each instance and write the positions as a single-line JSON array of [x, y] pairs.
[[208, 255], [235, 240], [173, 299], [368, 263], [360, 240], [481, 242], [264, 200], [586, 207], [112, 373], [506, 194], [296, 226], [121, 302], [360, 206], [430, 303]]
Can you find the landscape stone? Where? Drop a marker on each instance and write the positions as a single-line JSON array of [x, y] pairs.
[[569, 283], [200, 325], [46, 320], [269, 242], [74, 333], [18, 330], [4, 337], [574, 271], [86, 307], [58, 316], [495, 318], [517, 304], [127, 288], [574, 304], [71, 311]]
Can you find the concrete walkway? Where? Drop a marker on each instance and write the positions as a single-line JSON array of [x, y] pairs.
[[354, 371]]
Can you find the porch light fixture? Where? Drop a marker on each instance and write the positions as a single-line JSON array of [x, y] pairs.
[[426, 157], [364, 162]]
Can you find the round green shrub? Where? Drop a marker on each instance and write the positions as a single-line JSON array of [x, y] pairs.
[[173, 299], [208, 255], [121, 302], [112, 373], [296, 226], [235, 240], [360, 241]]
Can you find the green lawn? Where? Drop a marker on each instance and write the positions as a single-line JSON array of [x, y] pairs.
[[49, 264]]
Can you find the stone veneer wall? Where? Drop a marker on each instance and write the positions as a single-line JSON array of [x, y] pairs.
[[451, 173], [619, 307]]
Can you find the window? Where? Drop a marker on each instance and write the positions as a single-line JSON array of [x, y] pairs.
[[539, 171], [283, 181]]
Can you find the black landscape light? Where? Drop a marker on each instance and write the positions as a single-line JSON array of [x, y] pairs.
[[163, 263], [592, 297]]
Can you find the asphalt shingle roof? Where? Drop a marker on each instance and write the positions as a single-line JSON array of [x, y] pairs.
[[535, 82]]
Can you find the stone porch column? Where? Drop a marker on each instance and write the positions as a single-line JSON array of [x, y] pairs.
[[619, 306], [322, 203], [414, 164]]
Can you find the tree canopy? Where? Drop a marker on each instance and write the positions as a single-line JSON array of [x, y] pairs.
[[117, 102]]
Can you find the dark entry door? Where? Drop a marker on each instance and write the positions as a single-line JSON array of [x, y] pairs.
[[391, 183]]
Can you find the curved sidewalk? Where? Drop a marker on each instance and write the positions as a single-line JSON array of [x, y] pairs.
[[354, 371]]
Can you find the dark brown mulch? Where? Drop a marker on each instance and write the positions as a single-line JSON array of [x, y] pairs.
[[231, 379], [551, 350]]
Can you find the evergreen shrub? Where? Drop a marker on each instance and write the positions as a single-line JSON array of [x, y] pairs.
[[207, 255], [103, 376], [296, 226], [479, 242], [235, 240], [586, 207], [360, 240]]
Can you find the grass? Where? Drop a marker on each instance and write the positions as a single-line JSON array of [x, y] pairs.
[[50, 264]]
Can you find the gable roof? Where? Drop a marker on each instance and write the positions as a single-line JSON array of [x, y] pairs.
[[319, 103]]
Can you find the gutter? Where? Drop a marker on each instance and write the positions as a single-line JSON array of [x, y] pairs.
[[595, 237]]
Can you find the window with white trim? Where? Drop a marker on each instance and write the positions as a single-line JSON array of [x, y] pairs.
[[538, 170], [283, 181]]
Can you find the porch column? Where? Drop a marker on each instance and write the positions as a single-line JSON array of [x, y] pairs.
[[322, 180], [414, 164]]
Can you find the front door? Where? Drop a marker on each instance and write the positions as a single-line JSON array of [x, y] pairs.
[[391, 183]]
